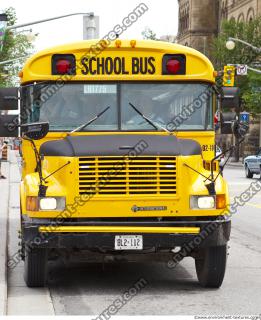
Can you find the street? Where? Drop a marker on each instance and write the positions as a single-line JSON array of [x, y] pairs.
[[79, 288]]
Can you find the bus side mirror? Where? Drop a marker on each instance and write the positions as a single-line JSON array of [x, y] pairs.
[[9, 125], [8, 122], [227, 120], [8, 99], [230, 98], [35, 131]]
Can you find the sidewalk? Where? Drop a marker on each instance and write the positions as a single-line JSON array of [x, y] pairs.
[[4, 202], [20, 299], [238, 164]]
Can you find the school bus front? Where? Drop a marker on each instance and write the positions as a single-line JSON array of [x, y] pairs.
[[126, 165]]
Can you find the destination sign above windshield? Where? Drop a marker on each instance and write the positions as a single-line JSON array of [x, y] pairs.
[[118, 65], [124, 65]]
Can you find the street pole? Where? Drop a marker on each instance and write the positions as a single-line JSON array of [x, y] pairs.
[[4, 27], [230, 44], [45, 20], [90, 27]]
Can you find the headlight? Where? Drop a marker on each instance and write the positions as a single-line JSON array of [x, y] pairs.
[[48, 204], [45, 204], [202, 202]]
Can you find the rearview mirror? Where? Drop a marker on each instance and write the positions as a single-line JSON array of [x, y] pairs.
[[8, 98], [230, 98], [8, 125], [227, 120], [35, 131]]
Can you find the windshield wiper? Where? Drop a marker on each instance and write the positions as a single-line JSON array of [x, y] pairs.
[[82, 126], [151, 122]]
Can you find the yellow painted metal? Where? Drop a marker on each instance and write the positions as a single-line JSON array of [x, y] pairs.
[[198, 67], [121, 229], [66, 181]]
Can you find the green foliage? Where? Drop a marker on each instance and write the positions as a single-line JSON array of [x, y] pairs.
[[250, 32], [251, 93], [15, 45], [148, 34], [241, 54]]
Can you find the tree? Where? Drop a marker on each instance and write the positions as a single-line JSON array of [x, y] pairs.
[[250, 32], [241, 54], [148, 34], [15, 45], [251, 93]]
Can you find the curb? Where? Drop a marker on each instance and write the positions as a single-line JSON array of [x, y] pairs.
[[235, 165], [4, 247]]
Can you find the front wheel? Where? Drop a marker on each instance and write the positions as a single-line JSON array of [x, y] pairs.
[[249, 174], [35, 267], [211, 266]]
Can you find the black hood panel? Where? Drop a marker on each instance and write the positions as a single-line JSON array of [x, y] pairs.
[[119, 145]]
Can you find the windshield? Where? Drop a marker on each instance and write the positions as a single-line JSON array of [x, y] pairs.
[[174, 106]]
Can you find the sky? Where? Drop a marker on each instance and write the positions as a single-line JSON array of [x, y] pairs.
[[161, 17]]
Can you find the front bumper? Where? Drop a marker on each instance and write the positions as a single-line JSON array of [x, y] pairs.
[[100, 235]]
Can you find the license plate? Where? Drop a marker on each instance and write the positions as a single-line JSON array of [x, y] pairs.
[[128, 242]]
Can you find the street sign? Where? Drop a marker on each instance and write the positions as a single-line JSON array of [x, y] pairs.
[[244, 117], [241, 69]]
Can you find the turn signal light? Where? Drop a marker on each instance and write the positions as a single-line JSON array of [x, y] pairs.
[[220, 201], [32, 203]]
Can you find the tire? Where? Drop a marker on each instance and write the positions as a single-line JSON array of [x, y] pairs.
[[35, 267], [249, 174], [211, 266]]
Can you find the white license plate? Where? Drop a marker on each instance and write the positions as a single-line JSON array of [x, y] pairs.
[[128, 242]]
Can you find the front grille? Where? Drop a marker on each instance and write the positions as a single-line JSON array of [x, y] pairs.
[[125, 176]]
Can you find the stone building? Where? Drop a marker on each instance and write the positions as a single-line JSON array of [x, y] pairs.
[[198, 23], [200, 20], [240, 10]]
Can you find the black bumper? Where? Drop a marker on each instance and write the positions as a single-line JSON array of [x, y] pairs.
[[212, 233]]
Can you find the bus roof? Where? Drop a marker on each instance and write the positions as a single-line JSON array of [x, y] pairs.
[[121, 60]]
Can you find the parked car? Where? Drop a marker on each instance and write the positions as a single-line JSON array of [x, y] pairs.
[[220, 159], [252, 165]]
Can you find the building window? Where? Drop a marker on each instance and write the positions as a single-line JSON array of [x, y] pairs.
[[250, 15], [183, 19], [241, 18]]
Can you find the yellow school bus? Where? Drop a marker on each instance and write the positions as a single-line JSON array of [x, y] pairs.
[[118, 157]]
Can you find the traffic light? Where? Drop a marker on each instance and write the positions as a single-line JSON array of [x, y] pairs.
[[229, 76]]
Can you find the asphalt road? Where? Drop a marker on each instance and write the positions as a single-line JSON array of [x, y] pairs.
[[76, 288]]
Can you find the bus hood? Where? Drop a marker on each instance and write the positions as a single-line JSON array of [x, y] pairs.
[[120, 145]]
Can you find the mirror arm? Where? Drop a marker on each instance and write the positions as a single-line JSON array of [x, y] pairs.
[[42, 187], [230, 149]]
